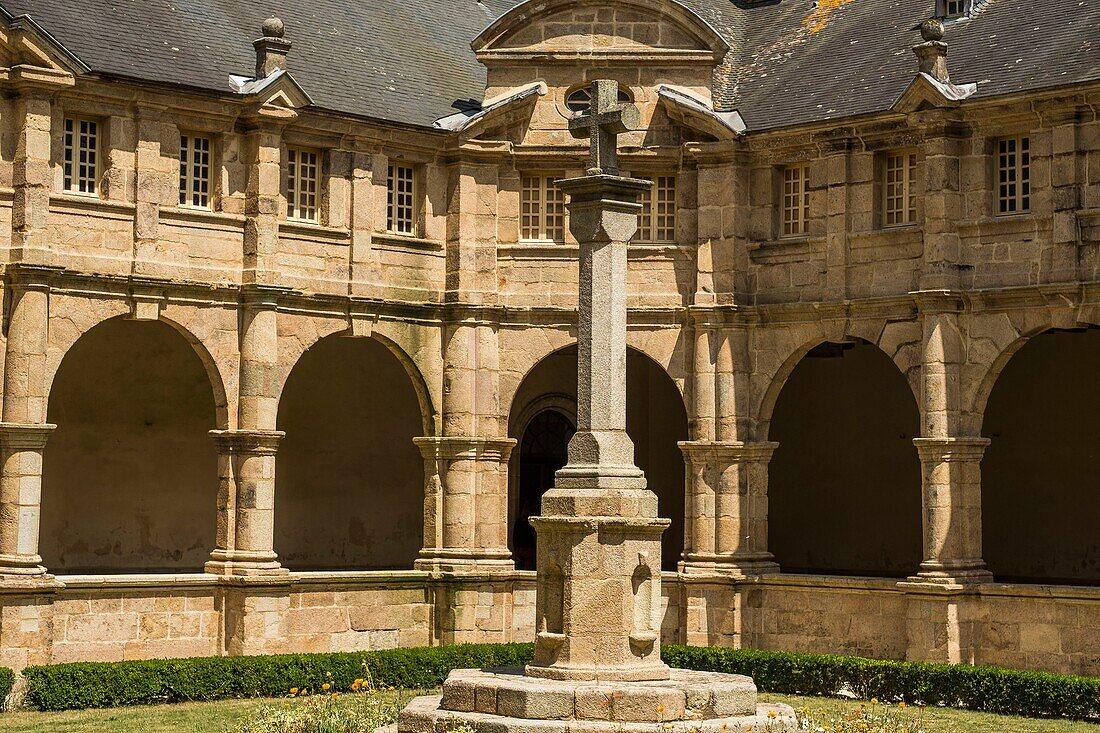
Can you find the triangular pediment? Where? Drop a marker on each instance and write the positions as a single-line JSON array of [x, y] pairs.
[[925, 92], [511, 108], [277, 90], [695, 113], [24, 43]]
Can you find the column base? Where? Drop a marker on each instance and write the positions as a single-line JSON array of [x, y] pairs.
[[244, 564], [729, 566], [953, 573], [21, 566], [444, 560]]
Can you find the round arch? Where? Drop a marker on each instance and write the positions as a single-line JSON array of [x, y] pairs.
[[1041, 412], [349, 488], [656, 422], [130, 475], [844, 489]]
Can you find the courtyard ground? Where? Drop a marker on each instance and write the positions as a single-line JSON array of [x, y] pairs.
[[218, 717]]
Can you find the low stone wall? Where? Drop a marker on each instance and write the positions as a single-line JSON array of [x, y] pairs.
[[106, 618]]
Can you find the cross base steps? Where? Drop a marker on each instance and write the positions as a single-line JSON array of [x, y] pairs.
[[506, 701]]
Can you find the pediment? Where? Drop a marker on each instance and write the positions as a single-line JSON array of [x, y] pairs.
[[691, 111], [653, 29], [925, 92], [277, 90], [23, 43]]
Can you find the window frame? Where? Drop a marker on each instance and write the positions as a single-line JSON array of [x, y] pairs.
[[72, 181], [188, 180], [294, 179], [908, 197], [792, 227], [1012, 175], [949, 9], [548, 207], [393, 217], [650, 228]]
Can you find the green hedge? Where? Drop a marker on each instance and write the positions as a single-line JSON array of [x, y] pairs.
[[111, 684], [986, 689], [989, 689], [7, 680]]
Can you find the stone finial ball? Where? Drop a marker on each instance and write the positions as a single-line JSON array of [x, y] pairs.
[[273, 28], [932, 30]]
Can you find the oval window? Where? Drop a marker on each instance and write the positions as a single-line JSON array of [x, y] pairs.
[[580, 98]]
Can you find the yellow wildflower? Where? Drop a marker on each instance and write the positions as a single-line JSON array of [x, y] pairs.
[[901, 704], [335, 695], [326, 686], [293, 690], [772, 714], [660, 708], [874, 701]]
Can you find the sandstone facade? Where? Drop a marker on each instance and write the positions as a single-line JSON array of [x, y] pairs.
[[229, 431]]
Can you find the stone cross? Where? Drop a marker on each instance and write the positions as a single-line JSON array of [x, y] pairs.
[[602, 123], [598, 598]]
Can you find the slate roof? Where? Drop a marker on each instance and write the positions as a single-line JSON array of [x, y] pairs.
[[409, 61]]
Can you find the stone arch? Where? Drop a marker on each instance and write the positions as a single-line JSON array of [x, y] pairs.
[[305, 333], [656, 420], [1040, 408], [130, 475], [844, 491], [898, 341], [349, 488]]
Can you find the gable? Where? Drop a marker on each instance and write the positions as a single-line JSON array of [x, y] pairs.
[[595, 29]]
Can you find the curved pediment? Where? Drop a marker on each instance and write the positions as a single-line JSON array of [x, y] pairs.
[[600, 29]]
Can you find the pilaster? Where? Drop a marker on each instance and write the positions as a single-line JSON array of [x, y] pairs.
[[154, 174], [262, 147], [33, 174], [943, 147]]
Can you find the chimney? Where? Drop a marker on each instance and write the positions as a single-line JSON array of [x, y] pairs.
[[933, 52], [271, 50]]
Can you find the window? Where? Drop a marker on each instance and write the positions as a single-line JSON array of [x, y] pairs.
[[80, 166], [796, 199], [301, 184], [953, 8], [195, 171], [400, 199], [1013, 175], [542, 210], [657, 220], [899, 188], [580, 99]]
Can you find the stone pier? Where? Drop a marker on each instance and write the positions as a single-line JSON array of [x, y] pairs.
[[597, 664]]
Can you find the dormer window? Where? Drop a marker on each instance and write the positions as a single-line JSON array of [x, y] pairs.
[[580, 98], [953, 8]]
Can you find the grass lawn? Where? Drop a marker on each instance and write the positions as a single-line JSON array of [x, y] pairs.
[[220, 716]]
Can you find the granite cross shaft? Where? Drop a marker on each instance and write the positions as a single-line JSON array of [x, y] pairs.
[[602, 122]]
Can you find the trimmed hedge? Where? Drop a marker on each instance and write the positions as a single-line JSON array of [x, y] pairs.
[[987, 689], [7, 681], [113, 684]]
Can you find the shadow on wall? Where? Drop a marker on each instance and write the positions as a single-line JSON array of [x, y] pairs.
[[1040, 482], [844, 485], [349, 482], [130, 476], [655, 420]]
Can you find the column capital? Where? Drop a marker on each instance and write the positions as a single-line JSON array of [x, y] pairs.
[[39, 80], [261, 296], [446, 447], [930, 302], [251, 442], [714, 451], [24, 276], [951, 449], [25, 436]]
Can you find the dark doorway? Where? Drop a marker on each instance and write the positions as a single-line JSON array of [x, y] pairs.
[[542, 453]]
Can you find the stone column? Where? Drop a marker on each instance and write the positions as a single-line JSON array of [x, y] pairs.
[[943, 608], [599, 538], [24, 430], [950, 461], [466, 501], [246, 503]]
